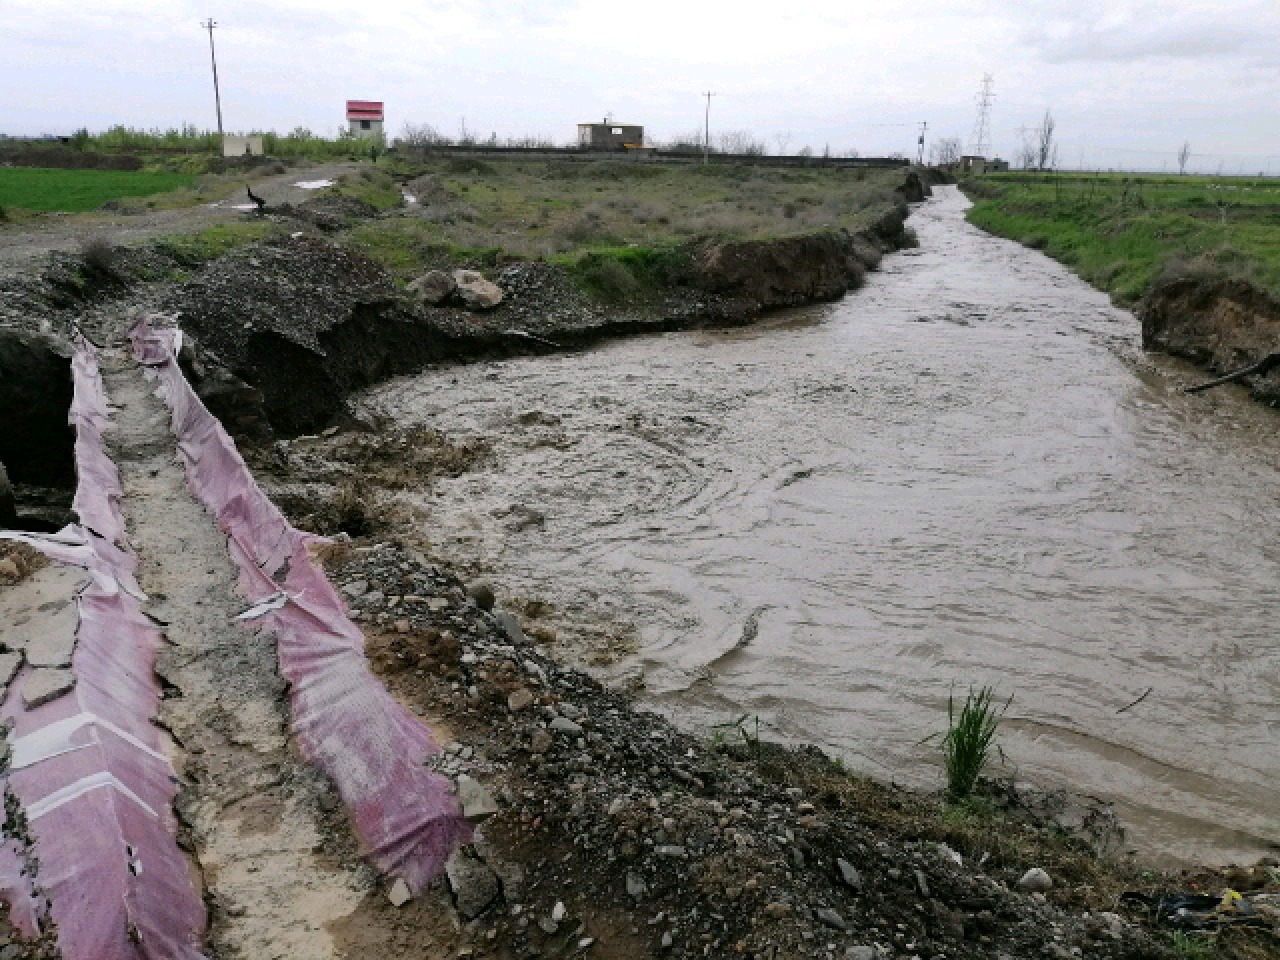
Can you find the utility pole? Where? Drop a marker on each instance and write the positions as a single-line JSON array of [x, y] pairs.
[[217, 97], [706, 131], [924, 125]]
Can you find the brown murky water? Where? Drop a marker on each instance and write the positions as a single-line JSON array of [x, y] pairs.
[[964, 474]]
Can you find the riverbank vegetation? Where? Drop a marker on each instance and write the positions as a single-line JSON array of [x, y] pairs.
[[1120, 232], [622, 211]]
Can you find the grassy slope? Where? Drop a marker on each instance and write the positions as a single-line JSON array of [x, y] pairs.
[[1119, 232], [78, 190], [566, 210]]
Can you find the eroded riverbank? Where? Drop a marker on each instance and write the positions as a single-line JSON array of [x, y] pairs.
[[964, 474]]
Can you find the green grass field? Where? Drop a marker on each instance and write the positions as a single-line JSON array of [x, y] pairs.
[[1119, 232], [29, 188], [566, 210]]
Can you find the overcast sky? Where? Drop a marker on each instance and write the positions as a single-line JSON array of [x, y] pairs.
[[1128, 80]]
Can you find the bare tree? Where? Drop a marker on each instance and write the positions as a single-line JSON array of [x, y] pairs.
[[690, 142], [782, 140], [421, 135], [1184, 155], [742, 142], [805, 151], [945, 151], [1046, 145], [1039, 149]]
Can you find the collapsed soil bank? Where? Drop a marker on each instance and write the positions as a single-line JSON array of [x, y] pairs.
[[1221, 324], [285, 329]]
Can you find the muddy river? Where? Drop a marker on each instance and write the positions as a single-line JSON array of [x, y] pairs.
[[966, 473]]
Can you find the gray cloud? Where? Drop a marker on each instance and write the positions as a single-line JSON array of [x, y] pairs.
[[1127, 78]]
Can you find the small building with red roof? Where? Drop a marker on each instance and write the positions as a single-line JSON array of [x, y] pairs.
[[365, 118]]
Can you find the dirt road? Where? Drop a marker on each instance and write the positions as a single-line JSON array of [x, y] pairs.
[[26, 243]]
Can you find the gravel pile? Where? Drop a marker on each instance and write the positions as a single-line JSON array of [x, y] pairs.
[[611, 825]]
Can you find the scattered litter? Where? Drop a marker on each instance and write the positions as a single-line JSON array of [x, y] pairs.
[[1202, 911], [399, 894], [262, 608]]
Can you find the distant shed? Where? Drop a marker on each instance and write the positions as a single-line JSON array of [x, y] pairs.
[[236, 146], [607, 135], [365, 118], [976, 164]]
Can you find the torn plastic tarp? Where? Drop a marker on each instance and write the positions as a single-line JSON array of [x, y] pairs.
[[344, 720], [89, 767]]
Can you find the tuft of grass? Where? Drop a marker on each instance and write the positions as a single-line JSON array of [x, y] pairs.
[[213, 242], [1187, 947], [747, 728], [608, 277], [970, 737], [373, 187]]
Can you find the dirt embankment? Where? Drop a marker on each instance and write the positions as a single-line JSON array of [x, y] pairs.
[[798, 270], [1221, 323], [285, 329]]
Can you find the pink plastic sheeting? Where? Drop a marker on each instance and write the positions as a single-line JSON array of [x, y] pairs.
[[344, 720], [89, 767]]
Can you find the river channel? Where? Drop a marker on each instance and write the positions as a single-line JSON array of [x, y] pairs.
[[965, 473]]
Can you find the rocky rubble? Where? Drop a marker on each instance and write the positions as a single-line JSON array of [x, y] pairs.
[[605, 825]]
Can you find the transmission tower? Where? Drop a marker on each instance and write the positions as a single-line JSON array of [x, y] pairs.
[[980, 139]]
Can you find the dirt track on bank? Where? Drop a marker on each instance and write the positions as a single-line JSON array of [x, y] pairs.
[[24, 245]]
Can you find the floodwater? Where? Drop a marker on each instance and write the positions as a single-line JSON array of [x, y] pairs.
[[964, 474]]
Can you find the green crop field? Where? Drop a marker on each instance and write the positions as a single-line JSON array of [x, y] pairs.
[[29, 188], [1120, 231]]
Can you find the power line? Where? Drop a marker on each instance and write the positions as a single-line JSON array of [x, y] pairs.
[[217, 97], [980, 140], [706, 135]]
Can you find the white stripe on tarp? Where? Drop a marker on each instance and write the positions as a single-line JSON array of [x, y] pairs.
[[71, 535], [263, 607], [55, 739], [78, 789]]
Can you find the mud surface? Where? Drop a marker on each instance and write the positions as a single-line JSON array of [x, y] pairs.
[[964, 474]]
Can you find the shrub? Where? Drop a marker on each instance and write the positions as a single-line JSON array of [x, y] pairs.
[[99, 258], [350, 509], [470, 165], [608, 277], [966, 747]]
